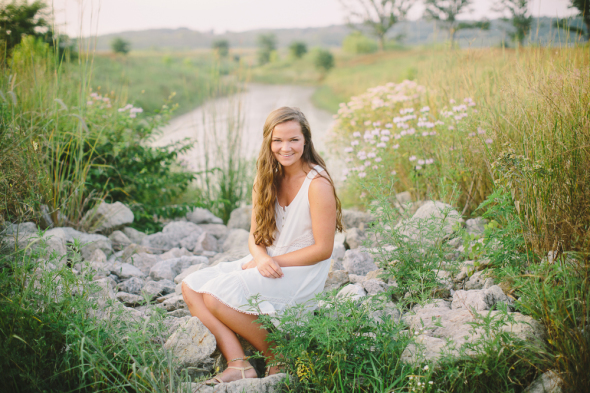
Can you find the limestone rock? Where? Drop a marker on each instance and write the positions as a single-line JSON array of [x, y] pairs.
[[131, 250], [388, 309], [192, 345], [271, 384], [356, 279], [170, 268], [107, 217], [174, 303], [132, 285], [22, 229], [236, 238], [189, 270], [56, 241], [549, 382], [374, 286], [175, 253], [374, 275], [352, 292], [358, 262], [355, 237], [171, 236], [475, 226], [98, 256], [203, 216], [119, 240], [103, 289], [180, 313], [480, 300], [219, 231], [134, 235], [153, 289], [143, 261], [479, 280], [437, 320], [88, 242], [240, 218], [355, 218], [129, 299], [338, 255], [229, 256], [423, 349], [125, 271], [438, 214], [336, 279], [201, 243]]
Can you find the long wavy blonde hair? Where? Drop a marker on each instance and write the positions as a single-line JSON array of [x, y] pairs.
[[269, 173]]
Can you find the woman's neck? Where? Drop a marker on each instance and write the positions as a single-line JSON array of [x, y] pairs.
[[293, 170]]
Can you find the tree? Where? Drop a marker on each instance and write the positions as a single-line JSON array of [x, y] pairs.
[[378, 16], [267, 43], [323, 60], [446, 12], [520, 18], [583, 7], [24, 19], [221, 47], [297, 49], [119, 45]]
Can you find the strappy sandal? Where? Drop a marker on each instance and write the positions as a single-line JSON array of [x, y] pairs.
[[277, 364], [216, 380]]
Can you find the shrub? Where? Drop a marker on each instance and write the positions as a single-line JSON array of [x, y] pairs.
[[297, 49], [119, 45], [323, 59], [267, 43], [358, 43], [221, 47]]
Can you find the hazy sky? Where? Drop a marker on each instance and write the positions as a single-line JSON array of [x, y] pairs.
[[110, 16]]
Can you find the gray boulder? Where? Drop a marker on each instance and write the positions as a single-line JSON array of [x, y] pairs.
[[22, 229], [126, 271], [355, 237], [432, 213], [143, 261], [170, 268], [336, 279], [480, 300], [189, 270], [236, 238], [174, 303], [352, 292], [338, 256], [175, 253], [134, 235], [479, 280], [107, 217], [271, 384], [171, 236], [355, 218], [358, 262], [129, 299], [219, 231], [549, 382], [192, 345], [88, 242], [119, 240], [374, 286], [203, 216], [201, 243], [475, 226], [436, 323], [240, 218], [229, 256], [132, 285], [153, 289]]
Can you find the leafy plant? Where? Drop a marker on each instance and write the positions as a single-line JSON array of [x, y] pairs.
[[297, 49], [119, 45]]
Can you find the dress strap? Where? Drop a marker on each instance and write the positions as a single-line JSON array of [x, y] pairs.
[[315, 171]]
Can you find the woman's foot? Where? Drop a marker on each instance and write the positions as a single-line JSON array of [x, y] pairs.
[[235, 371]]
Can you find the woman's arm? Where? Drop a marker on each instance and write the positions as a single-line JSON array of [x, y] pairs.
[[261, 260], [322, 206]]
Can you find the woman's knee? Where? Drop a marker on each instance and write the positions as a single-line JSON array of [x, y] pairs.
[[188, 294], [211, 303]]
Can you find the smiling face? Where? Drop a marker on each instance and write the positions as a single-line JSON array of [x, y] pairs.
[[287, 143]]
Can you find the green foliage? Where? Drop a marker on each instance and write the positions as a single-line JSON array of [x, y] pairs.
[[323, 59], [267, 43], [119, 45], [358, 43], [297, 49], [221, 47], [53, 336], [341, 347], [22, 19]]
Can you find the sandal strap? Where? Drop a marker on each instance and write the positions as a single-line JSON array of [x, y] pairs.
[[242, 369]]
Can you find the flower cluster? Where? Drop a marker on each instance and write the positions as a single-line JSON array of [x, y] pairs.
[[132, 110], [389, 128], [97, 98]]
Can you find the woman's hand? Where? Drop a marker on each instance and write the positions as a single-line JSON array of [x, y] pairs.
[[266, 266]]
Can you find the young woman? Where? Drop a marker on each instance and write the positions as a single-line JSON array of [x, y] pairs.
[[294, 219]]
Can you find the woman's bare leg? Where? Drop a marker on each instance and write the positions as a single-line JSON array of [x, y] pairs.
[[242, 324], [228, 343]]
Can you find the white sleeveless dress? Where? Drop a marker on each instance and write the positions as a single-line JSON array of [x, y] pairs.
[[233, 286]]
